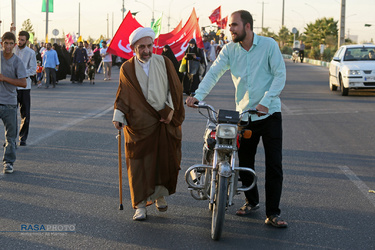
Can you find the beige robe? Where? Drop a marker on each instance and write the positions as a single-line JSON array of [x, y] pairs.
[[152, 148]]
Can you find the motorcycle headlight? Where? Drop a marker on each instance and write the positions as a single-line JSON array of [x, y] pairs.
[[354, 72], [226, 131]]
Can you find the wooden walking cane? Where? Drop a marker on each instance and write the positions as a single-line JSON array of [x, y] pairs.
[[120, 167]]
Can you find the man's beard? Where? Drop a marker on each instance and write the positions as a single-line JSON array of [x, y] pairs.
[[240, 38], [23, 46], [143, 59]]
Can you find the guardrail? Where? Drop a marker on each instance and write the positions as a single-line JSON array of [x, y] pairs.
[[310, 61]]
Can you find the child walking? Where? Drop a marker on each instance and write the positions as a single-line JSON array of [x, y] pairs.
[[39, 75]]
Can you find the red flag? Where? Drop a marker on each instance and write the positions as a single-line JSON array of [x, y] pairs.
[[172, 33], [223, 22], [178, 39], [68, 41], [120, 43], [215, 17]]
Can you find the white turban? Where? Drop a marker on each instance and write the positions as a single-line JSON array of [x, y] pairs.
[[140, 33]]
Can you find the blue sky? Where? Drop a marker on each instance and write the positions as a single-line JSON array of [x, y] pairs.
[[94, 14]]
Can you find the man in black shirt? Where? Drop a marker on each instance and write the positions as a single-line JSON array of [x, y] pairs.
[[79, 61]]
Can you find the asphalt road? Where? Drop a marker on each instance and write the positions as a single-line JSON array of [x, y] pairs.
[[68, 175]]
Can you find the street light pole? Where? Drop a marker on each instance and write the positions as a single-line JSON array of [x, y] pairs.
[[123, 9], [79, 19], [47, 10], [107, 26], [153, 10], [169, 15], [341, 38], [14, 15], [282, 15]]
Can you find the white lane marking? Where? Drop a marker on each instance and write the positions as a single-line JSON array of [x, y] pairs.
[[360, 184], [95, 114], [285, 109]]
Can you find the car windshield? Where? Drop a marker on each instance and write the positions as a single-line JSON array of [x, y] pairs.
[[360, 54]]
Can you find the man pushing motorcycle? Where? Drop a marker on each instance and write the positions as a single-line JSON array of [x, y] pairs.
[[258, 73]]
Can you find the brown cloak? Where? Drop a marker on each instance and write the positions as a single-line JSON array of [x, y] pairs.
[[152, 148]]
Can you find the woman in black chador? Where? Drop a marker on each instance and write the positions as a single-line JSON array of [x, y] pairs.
[[194, 58], [167, 51]]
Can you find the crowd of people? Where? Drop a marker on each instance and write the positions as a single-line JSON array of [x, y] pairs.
[[81, 62], [196, 61]]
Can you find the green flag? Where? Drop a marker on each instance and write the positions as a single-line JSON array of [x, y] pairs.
[[50, 6], [156, 26], [31, 39]]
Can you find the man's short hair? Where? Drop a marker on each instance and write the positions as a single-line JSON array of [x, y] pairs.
[[8, 36], [24, 33], [104, 42], [246, 17]]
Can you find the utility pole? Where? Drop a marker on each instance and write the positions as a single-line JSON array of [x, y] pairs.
[[107, 26], [341, 38], [123, 9], [262, 14], [47, 10], [14, 16], [79, 19], [282, 16], [153, 9]]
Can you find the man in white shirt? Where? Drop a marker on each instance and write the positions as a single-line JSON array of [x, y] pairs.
[[28, 58], [107, 61]]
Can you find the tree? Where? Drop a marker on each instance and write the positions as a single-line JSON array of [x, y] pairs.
[[27, 26], [284, 36], [266, 32], [323, 31]]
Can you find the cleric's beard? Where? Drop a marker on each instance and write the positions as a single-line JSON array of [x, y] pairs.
[[145, 60]]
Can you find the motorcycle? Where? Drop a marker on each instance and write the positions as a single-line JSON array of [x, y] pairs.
[[295, 55], [216, 178]]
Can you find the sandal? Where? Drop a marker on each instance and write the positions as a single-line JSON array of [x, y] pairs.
[[246, 209], [276, 221], [161, 204]]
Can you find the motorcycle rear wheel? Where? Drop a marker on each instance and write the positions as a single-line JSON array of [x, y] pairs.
[[219, 207]]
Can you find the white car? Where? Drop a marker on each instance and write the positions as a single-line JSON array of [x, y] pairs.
[[353, 67]]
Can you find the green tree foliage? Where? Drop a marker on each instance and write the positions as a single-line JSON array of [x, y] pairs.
[[284, 34], [27, 26], [323, 31], [266, 32]]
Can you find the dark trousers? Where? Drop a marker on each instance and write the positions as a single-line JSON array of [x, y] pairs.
[[80, 71], [270, 129], [301, 55], [50, 76], [23, 97]]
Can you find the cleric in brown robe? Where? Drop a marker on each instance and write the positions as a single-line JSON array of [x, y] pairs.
[[149, 105]]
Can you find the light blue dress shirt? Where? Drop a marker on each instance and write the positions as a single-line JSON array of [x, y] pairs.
[[50, 59], [258, 75]]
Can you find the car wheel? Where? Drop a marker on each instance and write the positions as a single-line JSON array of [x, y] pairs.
[[344, 91], [331, 86]]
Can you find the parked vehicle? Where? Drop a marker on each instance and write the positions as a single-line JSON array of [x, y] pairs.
[[353, 67], [216, 178]]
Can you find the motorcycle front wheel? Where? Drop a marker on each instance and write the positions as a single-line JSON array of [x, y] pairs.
[[219, 206]]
